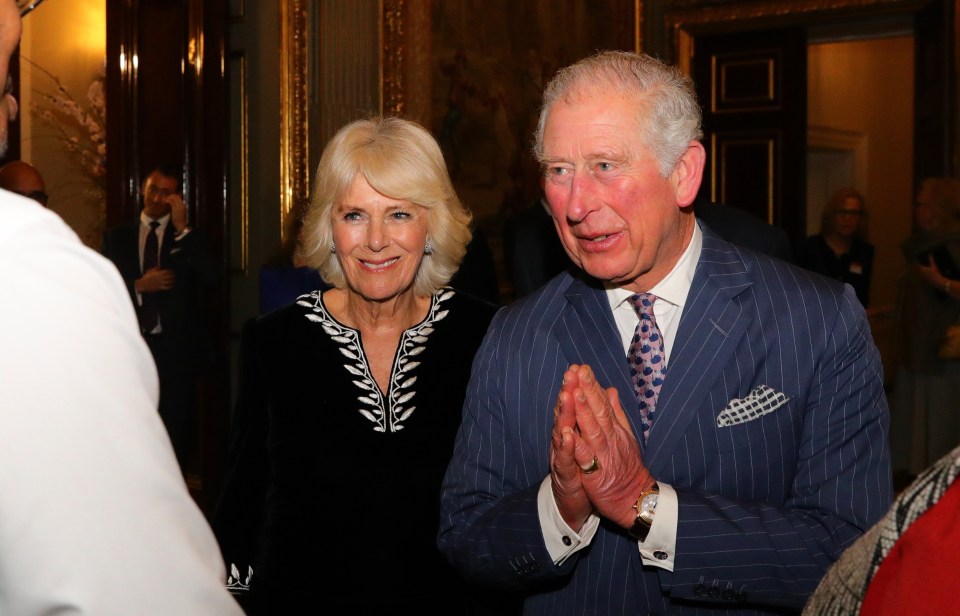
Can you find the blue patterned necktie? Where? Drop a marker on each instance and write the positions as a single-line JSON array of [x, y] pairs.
[[646, 359]]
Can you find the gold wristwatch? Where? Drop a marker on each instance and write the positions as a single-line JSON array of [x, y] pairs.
[[646, 506]]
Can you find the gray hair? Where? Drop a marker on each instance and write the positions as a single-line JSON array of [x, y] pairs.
[[666, 100]]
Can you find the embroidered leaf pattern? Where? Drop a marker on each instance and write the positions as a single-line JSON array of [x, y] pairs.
[[386, 411]]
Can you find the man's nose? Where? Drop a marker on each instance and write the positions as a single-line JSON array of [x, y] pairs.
[[581, 199]]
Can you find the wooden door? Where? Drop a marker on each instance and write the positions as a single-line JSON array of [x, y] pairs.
[[752, 87]]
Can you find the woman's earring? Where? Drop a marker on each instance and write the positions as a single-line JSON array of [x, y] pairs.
[[428, 247], [333, 247]]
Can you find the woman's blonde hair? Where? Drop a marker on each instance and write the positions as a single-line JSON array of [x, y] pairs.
[[400, 160], [943, 194], [828, 221]]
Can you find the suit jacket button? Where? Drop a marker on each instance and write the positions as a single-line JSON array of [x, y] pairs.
[[566, 540], [698, 590], [714, 592], [742, 596], [728, 594], [659, 555]]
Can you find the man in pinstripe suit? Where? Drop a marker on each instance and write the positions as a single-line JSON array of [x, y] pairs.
[[767, 454]]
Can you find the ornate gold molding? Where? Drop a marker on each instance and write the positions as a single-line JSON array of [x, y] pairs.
[[687, 16], [392, 56], [294, 161]]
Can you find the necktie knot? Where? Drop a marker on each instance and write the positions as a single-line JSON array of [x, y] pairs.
[[643, 304], [153, 225]]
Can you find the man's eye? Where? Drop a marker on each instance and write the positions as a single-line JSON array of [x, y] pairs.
[[557, 171], [604, 167]]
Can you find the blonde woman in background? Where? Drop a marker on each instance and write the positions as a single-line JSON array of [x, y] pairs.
[[925, 423], [841, 250]]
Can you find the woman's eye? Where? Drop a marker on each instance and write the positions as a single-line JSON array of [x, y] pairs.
[[351, 216], [400, 215]]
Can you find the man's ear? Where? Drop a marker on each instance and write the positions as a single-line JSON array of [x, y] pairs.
[[688, 172]]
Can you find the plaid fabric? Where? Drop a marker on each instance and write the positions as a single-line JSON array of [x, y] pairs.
[[842, 590]]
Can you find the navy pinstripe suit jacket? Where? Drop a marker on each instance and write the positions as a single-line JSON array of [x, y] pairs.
[[765, 506]]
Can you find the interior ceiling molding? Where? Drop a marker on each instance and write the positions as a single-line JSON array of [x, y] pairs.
[[831, 138], [685, 17]]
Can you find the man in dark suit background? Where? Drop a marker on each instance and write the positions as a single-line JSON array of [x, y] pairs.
[[164, 263], [744, 229], [756, 452], [534, 253]]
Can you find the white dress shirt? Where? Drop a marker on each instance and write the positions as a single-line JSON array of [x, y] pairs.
[[95, 517]]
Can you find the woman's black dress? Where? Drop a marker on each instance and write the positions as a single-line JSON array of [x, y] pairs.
[[332, 498]]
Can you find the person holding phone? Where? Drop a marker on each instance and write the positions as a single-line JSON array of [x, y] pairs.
[[164, 263]]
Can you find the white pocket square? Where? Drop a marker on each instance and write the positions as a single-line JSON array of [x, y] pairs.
[[757, 403]]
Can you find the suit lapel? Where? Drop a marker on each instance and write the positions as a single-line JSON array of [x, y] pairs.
[[711, 327], [129, 251], [168, 234]]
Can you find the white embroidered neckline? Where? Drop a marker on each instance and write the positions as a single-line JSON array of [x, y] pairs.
[[386, 412]]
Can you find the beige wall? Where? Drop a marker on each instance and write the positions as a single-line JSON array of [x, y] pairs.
[[866, 88], [68, 39]]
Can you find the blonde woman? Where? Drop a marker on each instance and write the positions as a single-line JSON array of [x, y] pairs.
[[841, 250], [351, 397]]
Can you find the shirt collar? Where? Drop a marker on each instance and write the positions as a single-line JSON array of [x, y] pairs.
[[146, 220], [675, 286]]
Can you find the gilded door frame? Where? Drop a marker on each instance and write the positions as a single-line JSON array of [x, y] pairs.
[[681, 24], [404, 59]]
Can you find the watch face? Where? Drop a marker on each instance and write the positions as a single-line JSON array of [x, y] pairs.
[[647, 506]]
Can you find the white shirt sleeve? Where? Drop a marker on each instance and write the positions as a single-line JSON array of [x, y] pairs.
[[560, 539], [95, 517], [660, 547]]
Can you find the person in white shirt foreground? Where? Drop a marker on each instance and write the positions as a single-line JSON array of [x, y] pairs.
[[94, 515]]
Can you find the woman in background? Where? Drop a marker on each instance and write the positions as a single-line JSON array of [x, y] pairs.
[[840, 250], [284, 277], [925, 424], [351, 397]]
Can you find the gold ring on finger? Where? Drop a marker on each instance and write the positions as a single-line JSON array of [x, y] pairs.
[[592, 468]]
